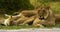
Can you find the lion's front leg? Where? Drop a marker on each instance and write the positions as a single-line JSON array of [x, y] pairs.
[[37, 23]]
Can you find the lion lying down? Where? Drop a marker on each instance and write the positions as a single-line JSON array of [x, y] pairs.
[[39, 17]]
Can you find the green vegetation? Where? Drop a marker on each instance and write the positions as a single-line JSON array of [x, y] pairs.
[[20, 27], [11, 6], [17, 27]]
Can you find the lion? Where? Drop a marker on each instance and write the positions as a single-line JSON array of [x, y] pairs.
[[39, 17], [17, 20], [47, 15], [30, 14], [24, 17]]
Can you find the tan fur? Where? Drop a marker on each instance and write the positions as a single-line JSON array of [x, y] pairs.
[[37, 23], [7, 21], [27, 16], [49, 18]]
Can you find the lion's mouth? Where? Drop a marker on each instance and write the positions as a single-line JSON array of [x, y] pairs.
[[41, 17]]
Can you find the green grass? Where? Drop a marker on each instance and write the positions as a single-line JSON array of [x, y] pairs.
[[16, 27], [24, 27], [19, 27], [55, 7], [57, 26]]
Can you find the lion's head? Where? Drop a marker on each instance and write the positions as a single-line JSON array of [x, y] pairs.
[[44, 12]]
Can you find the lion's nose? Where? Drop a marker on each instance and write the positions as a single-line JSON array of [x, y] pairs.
[[41, 17]]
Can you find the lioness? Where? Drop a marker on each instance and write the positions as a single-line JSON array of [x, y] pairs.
[[25, 16]]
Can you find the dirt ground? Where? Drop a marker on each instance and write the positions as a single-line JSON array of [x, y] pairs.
[[33, 30]]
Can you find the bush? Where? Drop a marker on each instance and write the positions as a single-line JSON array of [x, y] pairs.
[[10, 6]]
